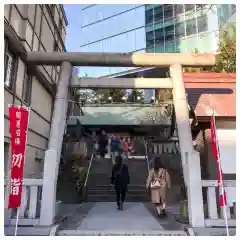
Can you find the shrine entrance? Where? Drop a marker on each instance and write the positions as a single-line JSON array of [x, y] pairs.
[[189, 158]]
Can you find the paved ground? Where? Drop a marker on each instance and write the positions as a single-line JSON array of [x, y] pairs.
[[104, 219], [135, 216]]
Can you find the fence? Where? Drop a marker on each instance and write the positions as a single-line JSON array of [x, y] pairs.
[[214, 216], [29, 211]]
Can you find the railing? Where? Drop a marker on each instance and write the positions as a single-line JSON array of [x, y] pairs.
[[88, 170], [215, 213], [29, 211], [146, 155]]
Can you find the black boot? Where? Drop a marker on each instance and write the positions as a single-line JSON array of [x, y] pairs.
[[164, 213], [118, 205], [121, 206]]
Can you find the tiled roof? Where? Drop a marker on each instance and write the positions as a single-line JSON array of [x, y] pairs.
[[208, 91]]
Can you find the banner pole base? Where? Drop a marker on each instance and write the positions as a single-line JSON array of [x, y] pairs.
[[16, 226]]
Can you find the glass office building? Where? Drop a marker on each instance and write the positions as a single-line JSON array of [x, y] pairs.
[[150, 28]]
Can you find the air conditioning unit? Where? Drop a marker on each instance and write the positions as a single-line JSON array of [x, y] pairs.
[[39, 155]]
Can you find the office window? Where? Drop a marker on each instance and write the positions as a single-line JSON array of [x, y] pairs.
[[191, 27], [158, 14], [60, 26], [6, 158], [233, 8], [149, 39], [149, 16], [178, 9], [202, 24], [180, 30], [55, 46], [169, 33], [52, 7], [9, 69], [168, 11], [159, 33], [27, 89], [189, 7], [149, 35], [159, 40]]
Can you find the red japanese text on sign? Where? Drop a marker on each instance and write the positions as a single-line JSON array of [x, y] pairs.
[[18, 130]]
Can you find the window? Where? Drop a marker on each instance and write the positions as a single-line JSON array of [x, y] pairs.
[[27, 89], [178, 9], [9, 69], [202, 24], [158, 14], [191, 27], [149, 35], [60, 26], [233, 8], [189, 7], [149, 39], [6, 158], [55, 46], [169, 33], [159, 33], [180, 30], [168, 11], [52, 8], [149, 16]]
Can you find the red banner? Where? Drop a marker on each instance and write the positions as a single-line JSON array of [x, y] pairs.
[[215, 150], [18, 117]]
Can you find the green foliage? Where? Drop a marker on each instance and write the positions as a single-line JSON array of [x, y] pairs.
[[116, 94], [133, 95], [226, 60]]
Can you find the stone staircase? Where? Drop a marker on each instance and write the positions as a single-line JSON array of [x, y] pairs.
[[100, 190]]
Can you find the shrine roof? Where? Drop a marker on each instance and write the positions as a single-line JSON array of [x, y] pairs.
[[208, 91]]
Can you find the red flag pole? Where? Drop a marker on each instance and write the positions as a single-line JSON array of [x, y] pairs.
[[220, 180]]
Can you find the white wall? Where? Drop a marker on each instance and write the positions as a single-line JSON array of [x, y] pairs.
[[227, 148]]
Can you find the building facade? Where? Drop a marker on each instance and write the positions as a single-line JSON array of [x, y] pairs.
[[150, 28], [31, 27]]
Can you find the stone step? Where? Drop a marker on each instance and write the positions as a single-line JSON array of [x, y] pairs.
[[108, 186], [121, 233], [106, 193], [112, 198]]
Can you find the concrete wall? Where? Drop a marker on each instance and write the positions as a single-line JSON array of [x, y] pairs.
[[37, 27]]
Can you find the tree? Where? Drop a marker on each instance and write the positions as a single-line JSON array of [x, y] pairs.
[[192, 69], [134, 94], [226, 60], [116, 94]]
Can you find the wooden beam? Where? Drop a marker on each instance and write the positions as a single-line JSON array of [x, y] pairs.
[[122, 59], [127, 83]]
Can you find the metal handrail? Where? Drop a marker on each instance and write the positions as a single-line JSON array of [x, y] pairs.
[[146, 155], [89, 166]]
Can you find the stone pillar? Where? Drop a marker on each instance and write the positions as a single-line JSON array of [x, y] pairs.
[[52, 155], [190, 158]]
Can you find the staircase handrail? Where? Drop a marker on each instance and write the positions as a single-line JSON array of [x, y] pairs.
[[146, 154], [89, 166]]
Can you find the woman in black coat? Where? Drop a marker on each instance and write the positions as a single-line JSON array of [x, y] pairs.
[[120, 179]]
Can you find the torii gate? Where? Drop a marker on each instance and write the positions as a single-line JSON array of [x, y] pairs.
[[66, 60]]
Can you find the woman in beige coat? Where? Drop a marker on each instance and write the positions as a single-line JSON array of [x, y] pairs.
[[158, 181]]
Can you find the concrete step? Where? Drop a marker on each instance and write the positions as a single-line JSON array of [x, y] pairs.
[[121, 233], [106, 193], [112, 198]]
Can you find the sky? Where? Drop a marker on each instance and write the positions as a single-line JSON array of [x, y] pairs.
[[73, 13]]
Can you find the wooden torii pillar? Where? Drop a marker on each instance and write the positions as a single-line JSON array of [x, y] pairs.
[[176, 61]]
